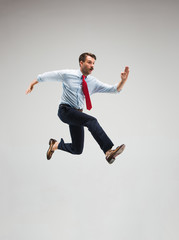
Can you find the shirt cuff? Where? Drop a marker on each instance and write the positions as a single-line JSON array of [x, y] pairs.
[[39, 79]]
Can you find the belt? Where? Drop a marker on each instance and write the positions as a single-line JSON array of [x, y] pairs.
[[66, 105]]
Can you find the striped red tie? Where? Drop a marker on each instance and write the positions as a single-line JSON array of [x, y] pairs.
[[86, 93]]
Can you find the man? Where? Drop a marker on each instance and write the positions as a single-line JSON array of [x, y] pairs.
[[78, 85]]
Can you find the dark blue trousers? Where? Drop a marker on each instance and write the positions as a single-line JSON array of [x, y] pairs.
[[77, 121]]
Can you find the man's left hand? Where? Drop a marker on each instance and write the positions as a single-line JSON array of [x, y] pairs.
[[124, 75]]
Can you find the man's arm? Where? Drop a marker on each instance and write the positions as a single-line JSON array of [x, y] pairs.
[[47, 76], [31, 86], [124, 76]]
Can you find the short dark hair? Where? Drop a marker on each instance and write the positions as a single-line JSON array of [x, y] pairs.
[[83, 56]]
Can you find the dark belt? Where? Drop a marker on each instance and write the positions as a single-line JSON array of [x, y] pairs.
[[66, 105]]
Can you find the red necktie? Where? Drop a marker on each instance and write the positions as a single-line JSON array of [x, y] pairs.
[[86, 93]]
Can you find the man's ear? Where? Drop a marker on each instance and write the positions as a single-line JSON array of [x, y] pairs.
[[81, 63]]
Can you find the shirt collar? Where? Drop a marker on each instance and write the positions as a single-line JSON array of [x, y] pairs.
[[80, 74]]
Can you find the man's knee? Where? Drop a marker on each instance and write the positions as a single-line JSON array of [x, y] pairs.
[[78, 151]]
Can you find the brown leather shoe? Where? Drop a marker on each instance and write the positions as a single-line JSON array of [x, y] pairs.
[[50, 149], [114, 153]]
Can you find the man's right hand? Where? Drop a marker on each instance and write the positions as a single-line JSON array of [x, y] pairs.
[[30, 88]]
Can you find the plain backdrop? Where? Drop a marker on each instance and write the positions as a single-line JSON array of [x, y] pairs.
[[83, 197]]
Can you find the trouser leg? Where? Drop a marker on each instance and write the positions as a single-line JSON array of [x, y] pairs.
[[99, 134], [77, 137]]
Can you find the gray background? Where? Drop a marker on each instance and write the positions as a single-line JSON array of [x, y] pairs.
[[83, 197]]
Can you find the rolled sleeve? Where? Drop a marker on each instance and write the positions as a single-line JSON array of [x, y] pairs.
[[50, 76], [101, 87]]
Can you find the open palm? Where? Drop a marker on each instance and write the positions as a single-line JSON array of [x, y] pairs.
[[124, 75]]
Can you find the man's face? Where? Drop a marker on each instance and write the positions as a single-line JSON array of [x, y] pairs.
[[88, 66]]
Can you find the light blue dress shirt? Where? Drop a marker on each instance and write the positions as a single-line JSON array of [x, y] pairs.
[[72, 86]]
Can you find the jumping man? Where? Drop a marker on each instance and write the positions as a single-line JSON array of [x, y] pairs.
[[78, 85]]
